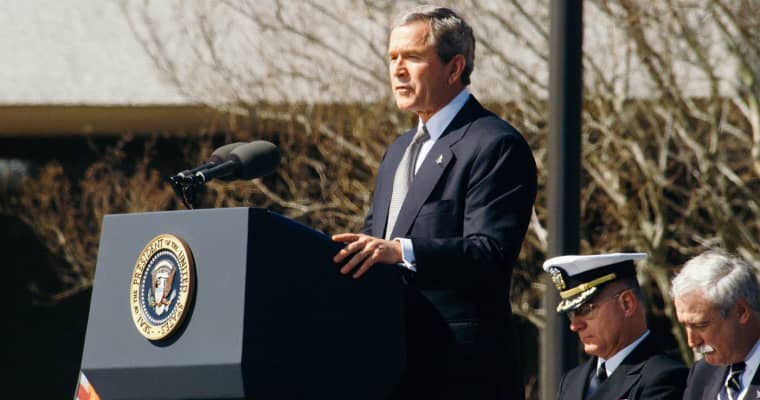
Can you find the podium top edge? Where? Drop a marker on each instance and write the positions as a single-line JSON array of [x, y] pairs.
[[198, 210]]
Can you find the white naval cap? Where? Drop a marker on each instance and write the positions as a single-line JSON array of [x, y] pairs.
[[578, 277]]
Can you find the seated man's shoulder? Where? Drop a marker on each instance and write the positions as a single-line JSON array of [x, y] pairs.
[[577, 372], [665, 365], [702, 369]]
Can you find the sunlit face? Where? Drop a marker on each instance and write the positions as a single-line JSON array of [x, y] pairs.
[[706, 329], [601, 330], [420, 81]]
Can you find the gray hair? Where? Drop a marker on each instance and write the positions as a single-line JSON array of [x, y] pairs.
[[722, 278], [449, 34]]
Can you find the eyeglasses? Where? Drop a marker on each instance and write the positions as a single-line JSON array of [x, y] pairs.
[[588, 310]]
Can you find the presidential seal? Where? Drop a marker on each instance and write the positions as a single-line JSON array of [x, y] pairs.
[[162, 286]]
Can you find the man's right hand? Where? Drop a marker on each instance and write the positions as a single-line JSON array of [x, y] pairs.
[[364, 251]]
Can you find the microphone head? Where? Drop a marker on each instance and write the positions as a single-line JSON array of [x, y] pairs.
[[219, 156], [257, 158], [224, 151], [222, 154]]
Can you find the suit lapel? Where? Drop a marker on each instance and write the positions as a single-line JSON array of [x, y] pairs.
[[753, 392], [433, 167], [620, 382], [576, 386], [713, 387], [627, 373], [427, 177]]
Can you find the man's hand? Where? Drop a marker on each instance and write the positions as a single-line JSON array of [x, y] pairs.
[[365, 251]]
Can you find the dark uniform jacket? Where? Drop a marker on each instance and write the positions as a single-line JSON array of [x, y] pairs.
[[646, 374]]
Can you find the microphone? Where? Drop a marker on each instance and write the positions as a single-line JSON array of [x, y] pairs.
[[247, 161], [217, 157]]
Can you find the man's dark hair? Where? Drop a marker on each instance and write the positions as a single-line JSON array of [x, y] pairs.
[[449, 34]]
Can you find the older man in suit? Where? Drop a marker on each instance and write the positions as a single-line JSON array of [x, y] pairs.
[[603, 301], [451, 206], [718, 303]]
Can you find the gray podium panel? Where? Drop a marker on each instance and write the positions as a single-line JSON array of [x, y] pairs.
[[271, 316]]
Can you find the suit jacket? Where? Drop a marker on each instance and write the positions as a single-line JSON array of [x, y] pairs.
[[705, 381], [466, 213], [647, 373]]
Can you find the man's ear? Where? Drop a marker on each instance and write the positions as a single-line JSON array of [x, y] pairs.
[[742, 311], [456, 68], [629, 302]]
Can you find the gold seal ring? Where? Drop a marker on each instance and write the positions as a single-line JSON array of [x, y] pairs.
[[162, 286]]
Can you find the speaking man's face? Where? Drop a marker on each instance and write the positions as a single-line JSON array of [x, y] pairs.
[[419, 78]]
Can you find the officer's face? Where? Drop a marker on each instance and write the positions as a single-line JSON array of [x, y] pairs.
[[707, 331], [600, 330]]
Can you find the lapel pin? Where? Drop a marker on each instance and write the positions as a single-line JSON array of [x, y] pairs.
[[439, 160]]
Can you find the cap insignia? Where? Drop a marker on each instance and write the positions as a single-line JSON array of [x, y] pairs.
[[559, 282]]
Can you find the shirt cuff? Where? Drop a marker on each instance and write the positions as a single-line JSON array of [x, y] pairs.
[[407, 253]]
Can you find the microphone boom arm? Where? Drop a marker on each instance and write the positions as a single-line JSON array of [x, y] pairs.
[[242, 161], [186, 188]]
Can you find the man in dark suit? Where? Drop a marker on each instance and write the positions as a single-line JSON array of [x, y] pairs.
[[603, 301], [452, 202], [717, 301]]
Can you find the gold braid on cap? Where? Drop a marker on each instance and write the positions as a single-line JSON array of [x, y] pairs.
[[585, 286]]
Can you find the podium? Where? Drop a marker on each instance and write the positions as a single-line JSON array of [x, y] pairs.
[[269, 315]]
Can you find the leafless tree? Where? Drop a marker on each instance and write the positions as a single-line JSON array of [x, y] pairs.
[[671, 133]]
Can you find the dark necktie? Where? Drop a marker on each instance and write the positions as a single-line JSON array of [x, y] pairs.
[[733, 383], [601, 373], [403, 177], [596, 380]]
